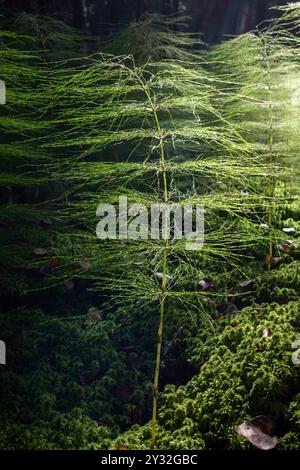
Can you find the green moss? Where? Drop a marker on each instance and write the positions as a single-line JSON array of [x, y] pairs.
[[244, 374], [70, 431]]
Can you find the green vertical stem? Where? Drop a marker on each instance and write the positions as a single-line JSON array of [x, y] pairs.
[[159, 346], [270, 186], [164, 273], [163, 291]]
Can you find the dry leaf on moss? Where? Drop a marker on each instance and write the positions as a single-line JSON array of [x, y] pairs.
[[259, 431]]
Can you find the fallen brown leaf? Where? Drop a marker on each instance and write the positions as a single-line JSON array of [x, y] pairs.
[[267, 332], [286, 247], [83, 264], [50, 265], [94, 314], [40, 251], [258, 431], [248, 283], [289, 230], [205, 284], [44, 221], [272, 261]]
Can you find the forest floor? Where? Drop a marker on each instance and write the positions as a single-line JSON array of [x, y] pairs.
[[75, 380]]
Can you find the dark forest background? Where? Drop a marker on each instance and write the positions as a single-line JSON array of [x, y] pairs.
[[213, 18]]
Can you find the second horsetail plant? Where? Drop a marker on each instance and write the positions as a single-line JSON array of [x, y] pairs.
[[262, 67], [21, 72], [28, 232]]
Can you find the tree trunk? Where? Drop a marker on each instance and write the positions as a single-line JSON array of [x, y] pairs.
[[78, 18], [176, 7], [115, 6], [139, 7], [43, 7], [166, 7], [21, 5]]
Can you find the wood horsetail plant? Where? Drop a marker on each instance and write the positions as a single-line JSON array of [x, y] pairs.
[[286, 30], [27, 223], [262, 67], [157, 133], [20, 70]]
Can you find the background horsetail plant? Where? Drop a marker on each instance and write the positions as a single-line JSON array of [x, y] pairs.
[[21, 71], [262, 68], [25, 66]]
